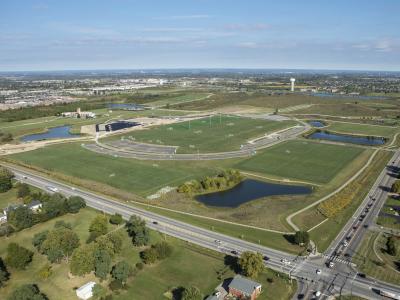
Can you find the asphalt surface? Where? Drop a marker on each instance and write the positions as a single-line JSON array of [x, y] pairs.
[[341, 279]]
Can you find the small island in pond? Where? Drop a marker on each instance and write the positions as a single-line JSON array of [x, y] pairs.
[[224, 180]]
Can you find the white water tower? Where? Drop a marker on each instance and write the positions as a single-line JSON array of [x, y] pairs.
[[292, 80]]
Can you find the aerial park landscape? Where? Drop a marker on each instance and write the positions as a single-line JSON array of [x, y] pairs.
[[166, 163]]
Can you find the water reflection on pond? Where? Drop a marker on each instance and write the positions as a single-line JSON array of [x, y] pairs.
[[249, 190]]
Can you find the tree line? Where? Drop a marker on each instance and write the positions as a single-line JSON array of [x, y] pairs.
[[223, 180]]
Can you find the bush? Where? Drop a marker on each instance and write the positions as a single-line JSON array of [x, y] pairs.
[[163, 250], [115, 285], [39, 238], [21, 217], [139, 266], [192, 293], [149, 256], [116, 219]]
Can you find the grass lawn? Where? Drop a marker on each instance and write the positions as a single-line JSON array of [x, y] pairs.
[[383, 267], [363, 129], [265, 238], [302, 160], [224, 134], [188, 265], [139, 177], [387, 221], [324, 234]]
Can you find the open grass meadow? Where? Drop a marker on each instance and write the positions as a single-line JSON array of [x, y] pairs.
[[363, 129], [188, 265], [302, 160], [139, 177], [210, 134]]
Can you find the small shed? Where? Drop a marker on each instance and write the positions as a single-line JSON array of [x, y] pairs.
[[34, 205], [85, 291]]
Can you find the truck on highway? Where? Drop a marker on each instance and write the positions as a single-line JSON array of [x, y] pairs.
[[389, 295]]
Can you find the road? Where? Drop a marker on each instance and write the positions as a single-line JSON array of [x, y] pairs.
[[330, 281]]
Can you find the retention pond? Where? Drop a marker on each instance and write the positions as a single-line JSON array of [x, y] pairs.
[[249, 190], [61, 132]]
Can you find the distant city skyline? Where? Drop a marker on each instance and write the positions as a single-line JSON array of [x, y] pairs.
[[50, 35]]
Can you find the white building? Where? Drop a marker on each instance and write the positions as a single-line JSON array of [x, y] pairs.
[[3, 218], [86, 290], [79, 114]]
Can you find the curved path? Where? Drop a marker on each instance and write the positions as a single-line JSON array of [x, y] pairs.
[[146, 151], [290, 217]]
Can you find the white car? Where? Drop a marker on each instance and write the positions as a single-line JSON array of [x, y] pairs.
[[345, 243], [285, 261], [52, 189], [331, 264], [318, 271], [317, 294]]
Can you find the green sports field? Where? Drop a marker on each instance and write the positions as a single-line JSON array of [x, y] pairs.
[[363, 129], [302, 160], [215, 134], [139, 177]]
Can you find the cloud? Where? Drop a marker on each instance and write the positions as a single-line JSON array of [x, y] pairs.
[[247, 27], [183, 17], [381, 45]]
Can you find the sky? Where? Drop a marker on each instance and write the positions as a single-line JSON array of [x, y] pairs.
[[149, 34]]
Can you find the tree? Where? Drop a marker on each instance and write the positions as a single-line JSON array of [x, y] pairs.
[[98, 227], [396, 187], [391, 246], [251, 263], [27, 292], [98, 291], [192, 293], [59, 244], [18, 257], [55, 206], [21, 217], [82, 260], [39, 238], [116, 219], [163, 250], [102, 263], [5, 179], [23, 190], [149, 256], [138, 231], [4, 275], [74, 204], [301, 238], [121, 271]]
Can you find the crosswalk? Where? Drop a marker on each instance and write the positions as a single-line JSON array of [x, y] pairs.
[[338, 259]]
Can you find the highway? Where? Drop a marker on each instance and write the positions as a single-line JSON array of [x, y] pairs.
[[331, 281]]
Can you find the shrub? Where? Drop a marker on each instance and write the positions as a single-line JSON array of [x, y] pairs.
[[116, 219], [18, 257]]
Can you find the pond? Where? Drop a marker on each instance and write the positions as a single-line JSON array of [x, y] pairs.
[[125, 106], [356, 97], [316, 123], [61, 132], [249, 190], [353, 139]]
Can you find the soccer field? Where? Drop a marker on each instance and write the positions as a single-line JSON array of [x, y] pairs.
[[139, 177], [211, 134], [302, 160]]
